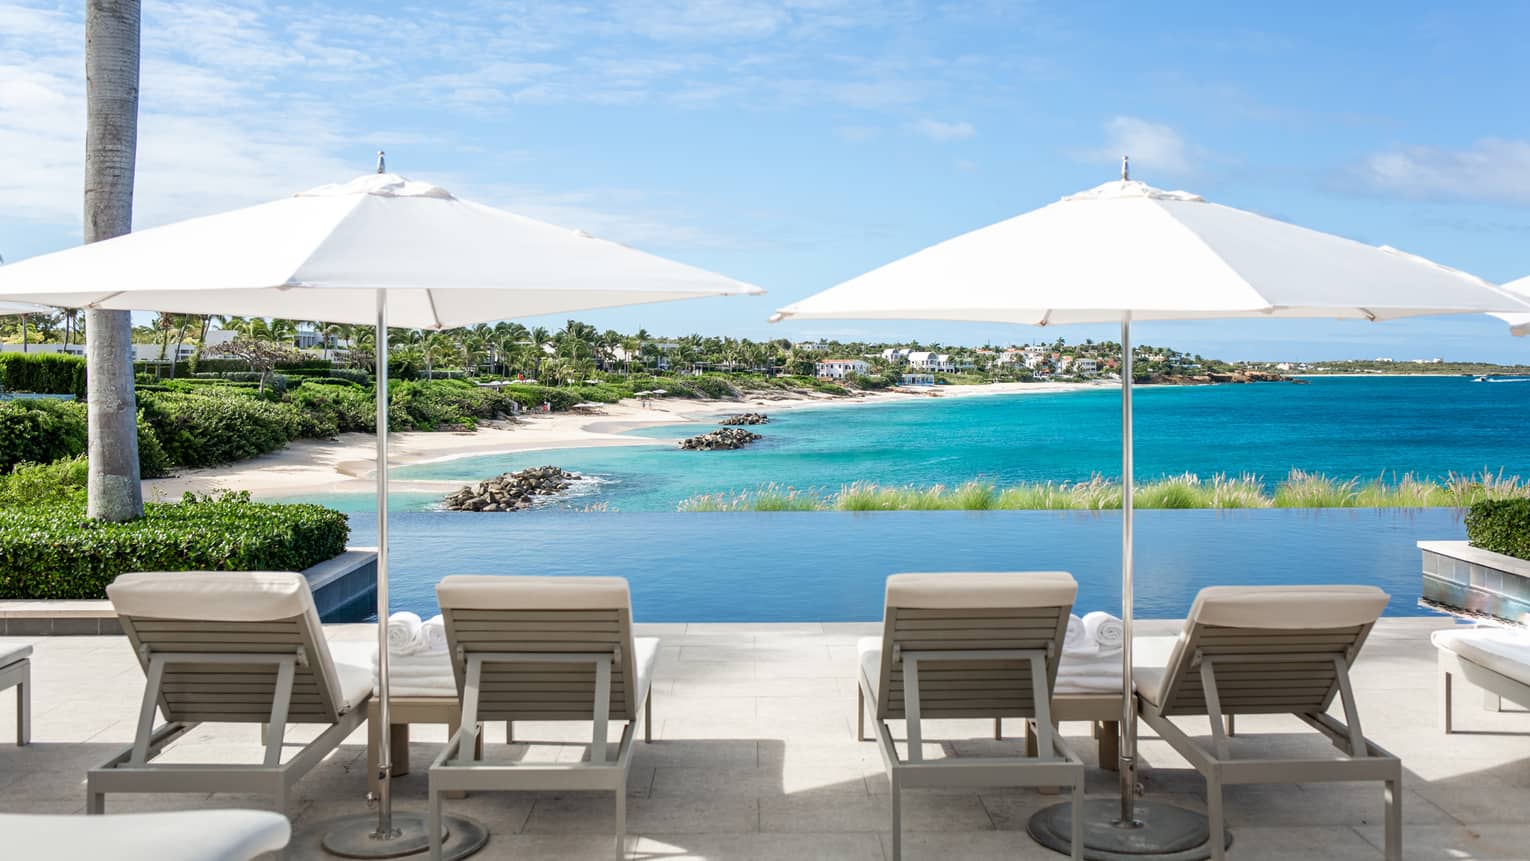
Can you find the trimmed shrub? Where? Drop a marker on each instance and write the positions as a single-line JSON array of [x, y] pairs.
[[1500, 525], [212, 427], [355, 375], [43, 373], [44, 483], [335, 408], [53, 551], [40, 431]]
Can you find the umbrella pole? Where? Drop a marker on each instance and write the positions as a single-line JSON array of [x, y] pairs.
[[408, 834], [1149, 829], [1128, 755], [385, 829]]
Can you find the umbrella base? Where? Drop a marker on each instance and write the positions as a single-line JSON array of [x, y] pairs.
[[355, 837], [1162, 832]]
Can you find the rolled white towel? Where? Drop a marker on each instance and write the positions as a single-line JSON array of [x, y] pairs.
[[1077, 638], [1105, 630], [403, 633], [431, 640]]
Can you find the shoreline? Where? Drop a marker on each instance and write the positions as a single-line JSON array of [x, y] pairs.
[[347, 463]]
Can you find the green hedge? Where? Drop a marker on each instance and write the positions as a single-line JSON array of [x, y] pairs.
[[53, 551], [210, 427], [1500, 525], [43, 373], [40, 431], [328, 407]]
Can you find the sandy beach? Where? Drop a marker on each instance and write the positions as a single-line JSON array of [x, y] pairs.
[[347, 463]]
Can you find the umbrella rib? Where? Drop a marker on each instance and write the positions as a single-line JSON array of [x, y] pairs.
[[107, 298], [430, 297]]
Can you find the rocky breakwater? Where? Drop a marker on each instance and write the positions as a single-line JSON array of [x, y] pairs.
[[725, 439], [745, 419], [513, 491]]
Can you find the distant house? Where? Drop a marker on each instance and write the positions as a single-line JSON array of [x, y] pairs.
[[838, 369], [918, 380], [1085, 366], [934, 363], [811, 346], [896, 355]]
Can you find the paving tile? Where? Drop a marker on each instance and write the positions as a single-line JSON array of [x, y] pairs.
[[922, 811]]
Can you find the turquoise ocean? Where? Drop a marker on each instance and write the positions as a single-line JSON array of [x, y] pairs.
[[831, 565]]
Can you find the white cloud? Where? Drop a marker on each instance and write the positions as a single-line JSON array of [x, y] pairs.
[[1154, 147], [1492, 169], [943, 132]]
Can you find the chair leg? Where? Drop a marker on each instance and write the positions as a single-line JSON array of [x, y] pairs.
[[1445, 709], [95, 802], [1077, 835], [1393, 798], [897, 819], [1109, 745], [621, 822], [433, 824], [24, 705], [860, 713], [648, 719], [998, 729], [509, 732], [398, 743], [1231, 725], [1214, 819]]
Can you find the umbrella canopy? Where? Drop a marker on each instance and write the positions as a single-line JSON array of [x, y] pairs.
[[1519, 324], [1125, 251], [1159, 255], [322, 254], [379, 250], [8, 309]]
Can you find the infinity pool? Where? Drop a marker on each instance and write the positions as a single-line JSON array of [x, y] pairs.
[[830, 566]]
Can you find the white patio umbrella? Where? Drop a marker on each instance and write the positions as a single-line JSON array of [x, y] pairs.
[[10, 309], [379, 250], [1123, 252], [1519, 324]]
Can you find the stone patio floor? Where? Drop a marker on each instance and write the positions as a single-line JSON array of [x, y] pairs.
[[754, 758]]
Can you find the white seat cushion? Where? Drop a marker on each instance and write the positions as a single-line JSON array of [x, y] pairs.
[[645, 653], [869, 649], [12, 652], [212, 596], [355, 685], [491, 592], [1505, 651], [200, 835], [1301, 608], [960, 591]]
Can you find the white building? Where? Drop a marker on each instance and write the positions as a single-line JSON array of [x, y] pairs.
[[1086, 366], [896, 355], [838, 369], [811, 346], [918, 380], [934, 363]]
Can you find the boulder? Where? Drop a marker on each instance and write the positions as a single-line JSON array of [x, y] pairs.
[[724, 439], [745, 419], [513, 491]]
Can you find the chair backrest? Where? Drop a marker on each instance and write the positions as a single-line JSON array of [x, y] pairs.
[[965, 612], [541, 615], [1272, 647], [229, 613]]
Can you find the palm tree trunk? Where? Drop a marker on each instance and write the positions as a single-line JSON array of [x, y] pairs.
[[111, 143]]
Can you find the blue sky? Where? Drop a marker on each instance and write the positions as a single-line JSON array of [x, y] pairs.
[[798, 143]]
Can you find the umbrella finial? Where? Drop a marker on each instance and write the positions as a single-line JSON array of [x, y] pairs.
[[1126, 173], [382, 164]]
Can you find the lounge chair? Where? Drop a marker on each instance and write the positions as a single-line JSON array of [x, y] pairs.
[[982, 645], [228, 647], [16, 672], [1271, 650], [1492, 658], [543, 649], [199, 835]]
